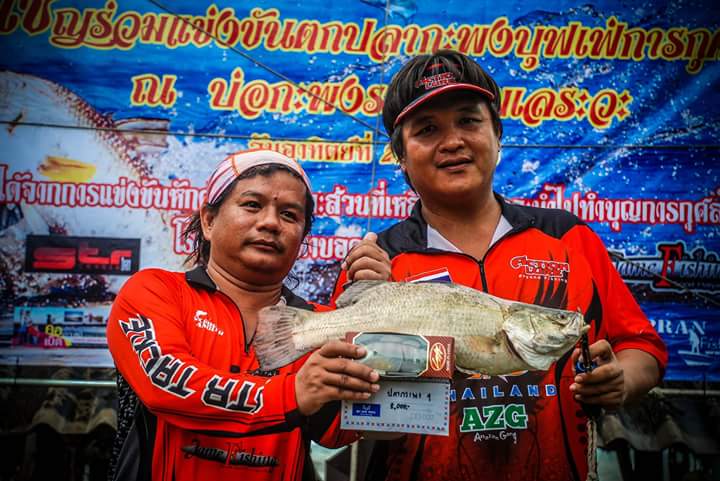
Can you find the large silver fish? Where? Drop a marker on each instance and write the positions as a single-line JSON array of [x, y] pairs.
[[492, 335]]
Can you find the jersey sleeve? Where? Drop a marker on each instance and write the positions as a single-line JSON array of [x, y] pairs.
[[147, 340], [623, 322]]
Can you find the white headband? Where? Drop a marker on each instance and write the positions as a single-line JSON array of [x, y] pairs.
[[236, 164]]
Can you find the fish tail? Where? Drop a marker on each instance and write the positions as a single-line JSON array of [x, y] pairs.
[[274, 345]]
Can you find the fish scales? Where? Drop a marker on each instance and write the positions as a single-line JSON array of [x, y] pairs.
[[492, 335]]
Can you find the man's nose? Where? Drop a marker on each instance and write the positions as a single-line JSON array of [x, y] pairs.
[[452, 140], [269, 219]]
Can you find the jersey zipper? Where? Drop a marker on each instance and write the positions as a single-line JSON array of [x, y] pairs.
[[481, 262], [246, 341]]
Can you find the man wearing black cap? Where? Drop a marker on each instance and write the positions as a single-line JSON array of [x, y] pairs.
[[442, 113]]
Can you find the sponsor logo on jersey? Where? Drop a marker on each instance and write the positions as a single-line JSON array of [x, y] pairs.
[[265, 373], [505, 415], [231, 395], [233, 456], [499, 391], [174, 375], [202, 322], [494, 417], [164, 370], [540, 268]]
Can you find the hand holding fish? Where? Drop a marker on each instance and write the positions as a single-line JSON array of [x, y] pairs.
[[367, 261], [330, 374], [604, 386]]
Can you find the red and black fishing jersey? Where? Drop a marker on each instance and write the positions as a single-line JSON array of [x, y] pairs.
[[526, 425], [180, 345]]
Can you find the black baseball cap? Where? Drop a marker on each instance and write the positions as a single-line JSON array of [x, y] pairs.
[[426, 76]]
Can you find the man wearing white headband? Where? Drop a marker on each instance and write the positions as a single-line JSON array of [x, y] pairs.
[[183, 343]]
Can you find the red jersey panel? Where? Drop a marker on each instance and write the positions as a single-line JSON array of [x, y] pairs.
[[181, 346], [524, 426]]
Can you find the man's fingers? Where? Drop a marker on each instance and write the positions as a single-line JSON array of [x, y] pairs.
[[370, 236], [351, 368], [601, 350], [334, 349], [369, 239], [365, 249], [367, 275], [605, 386], [608, 398], [336, 357], [330, 374], [603, 374], [587, 389], [367, 269], [345, 382]]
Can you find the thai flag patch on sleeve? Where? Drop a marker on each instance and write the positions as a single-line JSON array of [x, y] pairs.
[[435, 275]]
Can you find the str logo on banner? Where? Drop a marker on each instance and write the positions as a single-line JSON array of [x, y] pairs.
[[82, 255]]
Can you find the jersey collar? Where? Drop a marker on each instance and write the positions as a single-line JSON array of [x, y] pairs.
[[411, 235], [199, 279]]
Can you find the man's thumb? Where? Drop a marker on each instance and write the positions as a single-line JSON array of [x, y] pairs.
[[371, 236]]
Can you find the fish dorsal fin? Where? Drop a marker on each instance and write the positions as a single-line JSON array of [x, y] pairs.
[[355, 291]]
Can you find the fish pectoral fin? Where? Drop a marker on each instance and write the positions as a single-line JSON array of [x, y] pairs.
[[355, 291]]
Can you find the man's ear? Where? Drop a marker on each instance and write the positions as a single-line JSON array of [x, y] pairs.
[[207, 219]]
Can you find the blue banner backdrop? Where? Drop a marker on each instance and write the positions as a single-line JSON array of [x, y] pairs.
[[114, 114]]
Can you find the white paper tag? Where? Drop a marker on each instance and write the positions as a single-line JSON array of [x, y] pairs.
[[418, 406]]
